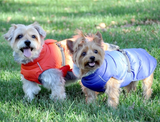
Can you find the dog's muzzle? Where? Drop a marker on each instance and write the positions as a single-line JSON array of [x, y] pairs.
[[27, 50]]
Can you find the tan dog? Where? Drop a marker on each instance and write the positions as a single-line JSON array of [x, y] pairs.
[[105, 71], [42, 62]]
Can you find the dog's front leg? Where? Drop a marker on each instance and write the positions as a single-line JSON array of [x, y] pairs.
[[52, 79], [112, 90], [30, 89], [89, 94]]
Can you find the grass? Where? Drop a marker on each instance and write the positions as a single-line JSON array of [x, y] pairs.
[[129, 24]]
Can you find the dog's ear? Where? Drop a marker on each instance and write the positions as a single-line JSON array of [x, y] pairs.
[[81, 40], [70, 46], [79, 32], [39, 29], [99, 35], [98, 39], [9, 35]]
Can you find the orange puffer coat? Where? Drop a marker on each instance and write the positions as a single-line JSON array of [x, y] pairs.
[[50, 57]]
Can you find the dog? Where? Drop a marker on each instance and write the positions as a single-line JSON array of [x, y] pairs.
[[108, 71], [44, 62]]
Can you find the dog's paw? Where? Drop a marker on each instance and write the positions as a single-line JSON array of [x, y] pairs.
[[58, 97], [90, 100], [28, 98]]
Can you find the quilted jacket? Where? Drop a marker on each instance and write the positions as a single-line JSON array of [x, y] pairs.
[[115, 65]]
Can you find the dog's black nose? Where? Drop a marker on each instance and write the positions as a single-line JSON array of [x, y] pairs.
[[27, 42], [92, 58]]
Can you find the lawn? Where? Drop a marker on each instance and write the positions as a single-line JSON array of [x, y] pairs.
[[126, 23]]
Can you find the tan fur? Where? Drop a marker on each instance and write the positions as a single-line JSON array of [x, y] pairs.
[[112, 90], [89, 94], [83, 45], [131, 86], [82, 61], [80, 46], [147, 83]]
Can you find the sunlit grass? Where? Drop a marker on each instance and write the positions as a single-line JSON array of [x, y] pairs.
[[128, 23]]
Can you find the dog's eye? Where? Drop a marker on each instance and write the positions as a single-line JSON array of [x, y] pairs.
[[19, 36], [95, 51], [33, 36], [84, 53]]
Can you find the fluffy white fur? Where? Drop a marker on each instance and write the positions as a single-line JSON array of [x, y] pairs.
[[52, 79]]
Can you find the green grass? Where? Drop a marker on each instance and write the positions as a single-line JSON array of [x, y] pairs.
[[60, 19]]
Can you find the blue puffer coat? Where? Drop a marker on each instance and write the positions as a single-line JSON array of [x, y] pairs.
[[115, 65]]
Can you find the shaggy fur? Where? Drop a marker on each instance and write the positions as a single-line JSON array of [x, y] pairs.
[[88, 56], [31, 37]]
